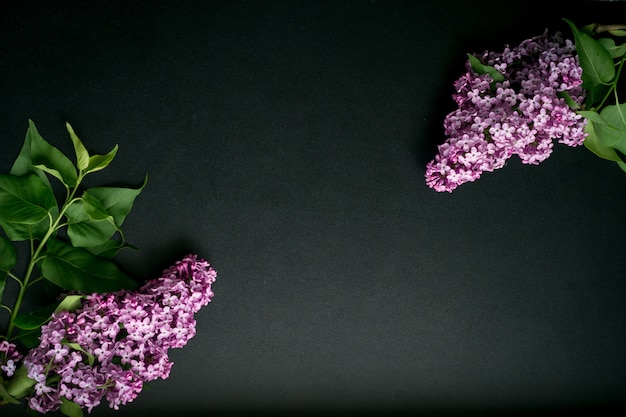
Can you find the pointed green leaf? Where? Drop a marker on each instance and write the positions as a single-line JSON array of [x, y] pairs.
[[77, 269], [117, 201], [594, 59], [70, 303], [23, 165], [70, 408], [98, 162], [85, 232], [82, 155], [24, 199], [49, 159], [485, 69]]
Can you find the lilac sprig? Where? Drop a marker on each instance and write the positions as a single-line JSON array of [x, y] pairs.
[[522, 114], [115, 342]]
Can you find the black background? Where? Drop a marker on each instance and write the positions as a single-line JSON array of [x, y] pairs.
[[286, 143]]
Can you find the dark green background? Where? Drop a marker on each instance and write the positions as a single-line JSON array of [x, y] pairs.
[[285, 142]]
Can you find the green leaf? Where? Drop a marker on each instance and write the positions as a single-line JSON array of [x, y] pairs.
[[28, 338], [77, 269], [117, 201], [20, 384], [76, 346], [82, 155], [23, 165], [568, 99], [8, 259], [94, 208], [37, 318], [615, 115], [485, 69], [596, 94], [607, 134], [5, 398], [109, 248], [49, 159], [34, 319], [98, 162], [616, 51], [593, 144], [8, 254], [20, 231], [70, 408], [595, 61], [24, 231], [70, 303], [85, 232], [24, 199], [588, 29]]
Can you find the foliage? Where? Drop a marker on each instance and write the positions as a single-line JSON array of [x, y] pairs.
[[72, 238], [602, 58]]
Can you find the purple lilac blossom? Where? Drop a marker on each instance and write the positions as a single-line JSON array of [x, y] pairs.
[[9, 359], [521, 115], [117, 341]]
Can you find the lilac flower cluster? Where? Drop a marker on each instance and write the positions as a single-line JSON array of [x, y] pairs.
[[520, 115], [10, 357], [115, 342]]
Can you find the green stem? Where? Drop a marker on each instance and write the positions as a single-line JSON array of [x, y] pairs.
[[13, 276], [619, 72], [36, 256], [33, 282]]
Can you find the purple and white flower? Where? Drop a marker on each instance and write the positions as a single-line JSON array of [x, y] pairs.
[[116, 342], [521, 115]]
